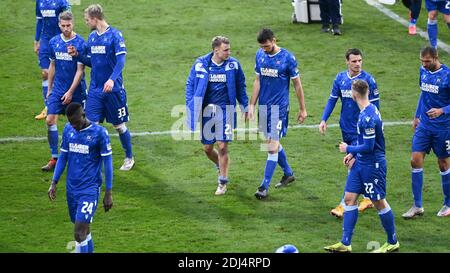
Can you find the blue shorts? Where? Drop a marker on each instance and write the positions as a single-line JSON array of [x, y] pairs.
[[112, 105], [441, 6], [369, 180], [423, 140], [44, 54], [55, 106], [273, 124], [82, 206], [217, 124]]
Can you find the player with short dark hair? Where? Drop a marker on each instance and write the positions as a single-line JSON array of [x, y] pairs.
[[368, 174], [432, 128], [275, 67], [47, 12], [215, 82], [342, 89], [85, 146], [65, 80]]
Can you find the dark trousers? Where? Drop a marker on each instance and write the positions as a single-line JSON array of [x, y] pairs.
[[330, 12]]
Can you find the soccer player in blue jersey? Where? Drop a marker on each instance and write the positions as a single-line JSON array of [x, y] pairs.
[[433, 7], [65, 80], [275, 67], [85, 147], [215, 82], [107, 97], [47, 12], [342, 89], [432, 128], [368, 174]]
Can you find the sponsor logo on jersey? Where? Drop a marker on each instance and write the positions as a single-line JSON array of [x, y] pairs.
[[78, 148], [48, 13], [98, 49], [122, 44], [108, 147], [269, 72], [217, 78], [346, 93], [430, 88], [64, 56]]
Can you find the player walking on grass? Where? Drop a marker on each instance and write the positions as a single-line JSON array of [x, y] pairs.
[[215, 82], [65, 80], [368, 174], [107, 97], [85, 146], [342, 89], [47, 12], [275, 67], [432, 129]]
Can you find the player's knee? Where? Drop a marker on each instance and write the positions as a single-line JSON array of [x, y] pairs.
[[121, 128], [209, 149], [51, 120], [443, 165], [223, 150], [416, 163]]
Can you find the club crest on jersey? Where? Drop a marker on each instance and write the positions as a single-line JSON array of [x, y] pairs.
[[98, 49], [269, 72]]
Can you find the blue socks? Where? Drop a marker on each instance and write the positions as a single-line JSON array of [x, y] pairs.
[[52, 136], [432, 29], [44, 91], [271, 164], [282, 161], [350, 218], [387, 220], [417, 182], [445, 178], [222, 180], [125, 139]]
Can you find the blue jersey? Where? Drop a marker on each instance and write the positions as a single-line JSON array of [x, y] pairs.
[[370, 126], [84, 150], [102, 49], [65, 66], [217, 92], [435, 93], [48, 11], [342, 89], [275, 72]]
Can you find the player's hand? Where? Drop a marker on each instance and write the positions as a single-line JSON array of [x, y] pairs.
[[251, 112], [107, 200], [48, 93], [52, 192], [36, 46], [109, 84], [322, 127], [415, 123], [245, 116], [301, 116], [67, 98], [348, 161], [343, 147], [72, 51], [435, 112]]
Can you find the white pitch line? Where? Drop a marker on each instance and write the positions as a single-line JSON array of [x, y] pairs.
[[177, 132], [405, 23]]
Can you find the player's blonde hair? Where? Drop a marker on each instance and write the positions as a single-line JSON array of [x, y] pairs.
[[361, 87], [95, 11], [218, 41]]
